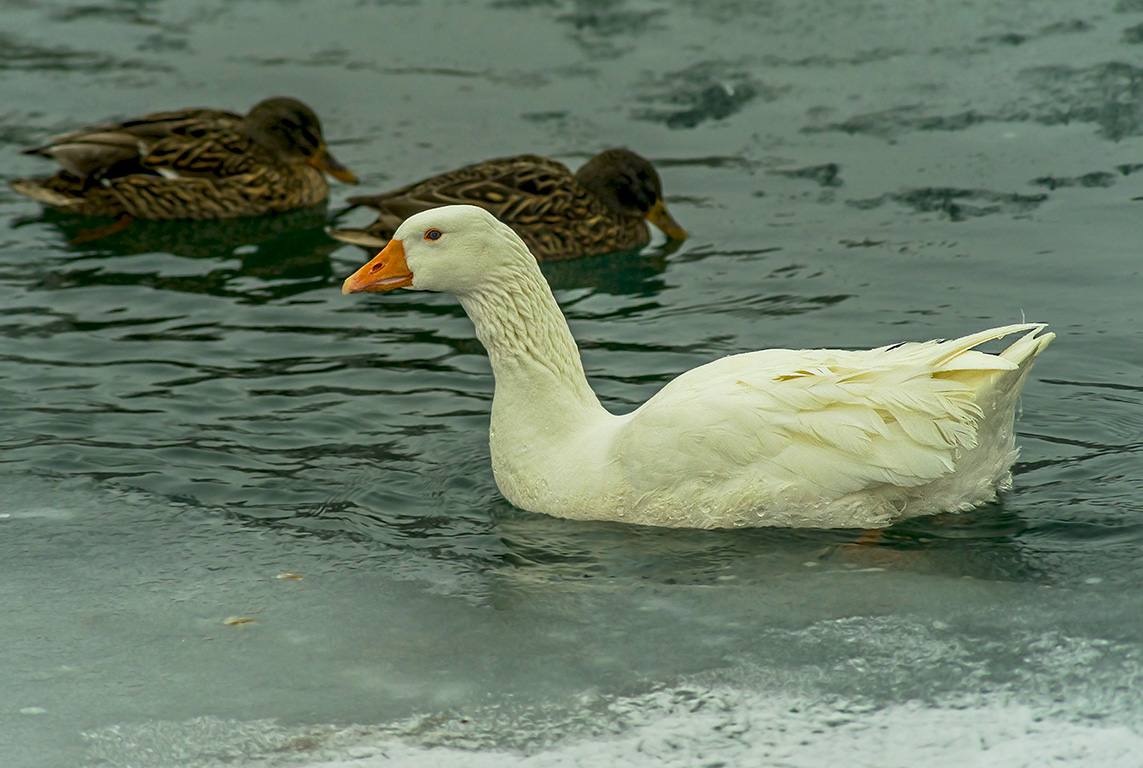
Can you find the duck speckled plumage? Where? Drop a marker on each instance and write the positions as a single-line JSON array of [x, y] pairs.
[[601, 208], [194, 163]]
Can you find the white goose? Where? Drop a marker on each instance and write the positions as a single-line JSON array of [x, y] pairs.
[[808, 438]]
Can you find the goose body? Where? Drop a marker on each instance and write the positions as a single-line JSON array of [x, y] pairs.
[[799, 438], [190, 164], [601, 208]]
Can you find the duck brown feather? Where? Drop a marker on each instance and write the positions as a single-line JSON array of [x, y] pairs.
[[558, 214], [190, 164]]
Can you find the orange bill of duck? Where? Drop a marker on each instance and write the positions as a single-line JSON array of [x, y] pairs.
[[659, 216], [324, 161]]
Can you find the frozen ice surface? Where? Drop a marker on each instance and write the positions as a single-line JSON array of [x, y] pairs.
[[714, 727]]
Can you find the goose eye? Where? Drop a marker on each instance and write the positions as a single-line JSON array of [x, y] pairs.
[[433, 234]]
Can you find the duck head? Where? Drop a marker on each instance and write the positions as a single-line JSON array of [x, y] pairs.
[[628, 184], [291, 130]]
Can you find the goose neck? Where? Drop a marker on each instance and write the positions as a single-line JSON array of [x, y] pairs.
[[526, 335]]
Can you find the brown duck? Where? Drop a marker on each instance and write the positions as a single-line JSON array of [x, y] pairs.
[[601, 208], [191, 164]]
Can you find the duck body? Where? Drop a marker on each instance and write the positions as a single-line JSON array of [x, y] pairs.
[[602, 208], [194, 163], [795, 438]]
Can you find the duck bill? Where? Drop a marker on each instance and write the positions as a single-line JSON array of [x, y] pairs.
[[659, 216], [326, 162], [386, 271]]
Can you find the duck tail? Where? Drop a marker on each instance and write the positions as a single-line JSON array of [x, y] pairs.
[[42, 192]]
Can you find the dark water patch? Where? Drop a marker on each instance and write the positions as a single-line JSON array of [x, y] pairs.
[[1083, 451], [437, 71], [606, 29], [706, 91], [957, 122], [981, 544], [163, 43], [832, 61], [709, 161], [713, 102], [449, 538], [531, 79], [825, 175], [988, 523], [209, 238], [544, 117], [956, 204], [39, 322], [1005, 38], [703, 251], [138, 12], [226, 282], [600, 17], [1107, 386], [286, 254], [330, 57], [342, 59], [1132, 35], [516, 5], [623, 273], [550, 549], [772, 304], [891, 122], [1108, 95], [17, 54], [866, 243], [126, 14], [17, 135], [1095, 179], [734, 12], [1070, 27], [1129, 6], [360, 515], [1014, 38]]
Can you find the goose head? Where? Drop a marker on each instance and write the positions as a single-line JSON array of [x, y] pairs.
[[457, 249]]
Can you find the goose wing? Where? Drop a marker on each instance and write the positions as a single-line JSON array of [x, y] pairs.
[[826, 422]]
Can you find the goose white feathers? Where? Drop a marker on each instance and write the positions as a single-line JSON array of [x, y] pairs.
[[800, 438]]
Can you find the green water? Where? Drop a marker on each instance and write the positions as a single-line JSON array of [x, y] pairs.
[[188, 411]]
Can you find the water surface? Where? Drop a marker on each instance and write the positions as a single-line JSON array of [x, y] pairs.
[[189, 411]]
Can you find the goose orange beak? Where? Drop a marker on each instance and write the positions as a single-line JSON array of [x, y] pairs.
[[659, 216], [386, 271], [326, 162]]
